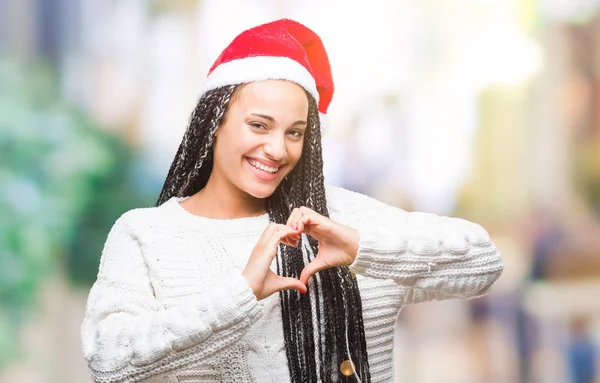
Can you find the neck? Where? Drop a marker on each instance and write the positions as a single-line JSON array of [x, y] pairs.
[[220, 201]]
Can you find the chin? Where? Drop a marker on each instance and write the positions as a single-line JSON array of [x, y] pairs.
[[261, 191]]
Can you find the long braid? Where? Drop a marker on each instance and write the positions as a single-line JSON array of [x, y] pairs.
[[192, 165], [333, 333]]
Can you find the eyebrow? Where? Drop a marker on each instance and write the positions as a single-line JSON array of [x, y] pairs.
[[271, 119]]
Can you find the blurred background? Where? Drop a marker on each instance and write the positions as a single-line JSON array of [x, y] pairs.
[[487, 110]]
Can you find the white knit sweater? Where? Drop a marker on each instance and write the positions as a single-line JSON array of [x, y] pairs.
[[170, 303]]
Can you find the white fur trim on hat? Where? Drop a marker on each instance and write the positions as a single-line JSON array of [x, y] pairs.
[[259, 68]]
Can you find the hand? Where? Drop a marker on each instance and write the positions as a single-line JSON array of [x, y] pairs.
[[258, 273], [338, 244]]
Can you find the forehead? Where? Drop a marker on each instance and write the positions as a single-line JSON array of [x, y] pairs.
[[273, 94]]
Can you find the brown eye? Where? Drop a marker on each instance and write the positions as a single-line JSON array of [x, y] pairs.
[[297, 133]]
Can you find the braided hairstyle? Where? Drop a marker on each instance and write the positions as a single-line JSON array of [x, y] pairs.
[[322, 328]]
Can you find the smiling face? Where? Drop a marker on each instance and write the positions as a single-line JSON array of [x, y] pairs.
[[261, 138]]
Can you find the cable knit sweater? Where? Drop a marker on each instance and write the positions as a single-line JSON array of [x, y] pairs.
[[170, 303]]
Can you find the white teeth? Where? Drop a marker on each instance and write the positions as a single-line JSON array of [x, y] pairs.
[[260, 166]]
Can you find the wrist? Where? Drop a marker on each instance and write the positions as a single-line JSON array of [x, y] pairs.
[[251, 285], [350, 243]]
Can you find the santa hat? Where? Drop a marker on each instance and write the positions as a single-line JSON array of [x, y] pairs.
[[283, 50]]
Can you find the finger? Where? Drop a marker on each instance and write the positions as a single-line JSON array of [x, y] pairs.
[[304, 222], [311, 269], [267, 247], [268, 232], [287, 283], [284, 230], [280, 235], [292, 217], [306, 210], [296, 218], [290, 241]]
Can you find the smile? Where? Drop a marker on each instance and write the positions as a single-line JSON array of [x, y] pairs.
[[267, 169]]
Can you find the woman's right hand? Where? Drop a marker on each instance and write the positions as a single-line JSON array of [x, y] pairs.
[[258, 273]]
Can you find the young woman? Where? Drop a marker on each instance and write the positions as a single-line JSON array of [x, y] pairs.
[[250, 269]]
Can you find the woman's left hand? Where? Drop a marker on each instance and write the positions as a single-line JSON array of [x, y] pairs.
[[338, 244]]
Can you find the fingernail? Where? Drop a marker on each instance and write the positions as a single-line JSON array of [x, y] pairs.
[[302, 292]]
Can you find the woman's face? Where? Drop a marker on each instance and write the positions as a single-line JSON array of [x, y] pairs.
[[261, 138]]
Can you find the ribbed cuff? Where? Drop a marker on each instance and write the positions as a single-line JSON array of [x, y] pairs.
[[234, 302], [367, 243]]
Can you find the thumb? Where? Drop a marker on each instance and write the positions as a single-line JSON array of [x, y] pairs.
[[311, 269], [288, 283]]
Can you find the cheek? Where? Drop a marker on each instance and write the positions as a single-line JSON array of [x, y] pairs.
[[230, 145], [225, 154], [296, 152]]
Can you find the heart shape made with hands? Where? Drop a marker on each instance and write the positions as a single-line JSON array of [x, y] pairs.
[[338, 244]]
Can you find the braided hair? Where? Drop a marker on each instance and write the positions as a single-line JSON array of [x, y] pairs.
[[325, 327]]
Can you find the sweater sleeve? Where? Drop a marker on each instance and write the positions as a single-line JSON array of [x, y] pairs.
[[434, 257], [128, 336]]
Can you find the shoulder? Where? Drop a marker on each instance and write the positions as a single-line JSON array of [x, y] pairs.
[[336, 193], [139, 218], [339, 198]]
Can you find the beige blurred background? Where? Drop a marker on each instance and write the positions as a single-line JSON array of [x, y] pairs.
[[483, 109]]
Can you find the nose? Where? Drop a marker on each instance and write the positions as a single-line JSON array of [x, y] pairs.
[[274, 147]]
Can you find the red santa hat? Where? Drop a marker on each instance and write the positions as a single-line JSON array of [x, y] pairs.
[[283, 50]]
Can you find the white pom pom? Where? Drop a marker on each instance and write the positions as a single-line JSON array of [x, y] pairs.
[[324, 123]]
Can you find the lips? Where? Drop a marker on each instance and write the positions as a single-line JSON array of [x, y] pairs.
[[263, 171], [262, 166]]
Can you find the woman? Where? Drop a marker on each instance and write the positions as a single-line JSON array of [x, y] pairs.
[[186, 290]]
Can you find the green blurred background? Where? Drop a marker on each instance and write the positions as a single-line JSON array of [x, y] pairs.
[[483, 109]]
